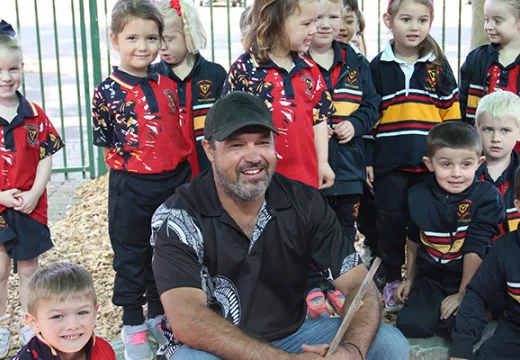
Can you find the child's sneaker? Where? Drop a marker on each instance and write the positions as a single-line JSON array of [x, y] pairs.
[[26, 333], [154, 328], [391, 303], [5, 337], [136, 344], [316, 305], [337, 300]]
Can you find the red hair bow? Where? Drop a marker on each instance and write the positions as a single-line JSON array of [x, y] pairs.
[[175, 4]]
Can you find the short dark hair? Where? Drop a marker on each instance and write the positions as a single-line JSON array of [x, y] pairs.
[[454, 135]]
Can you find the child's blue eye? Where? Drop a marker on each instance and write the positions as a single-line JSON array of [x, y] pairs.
[[56, 317], [84, 312], [445, 164], [467, 163], [131, 38]]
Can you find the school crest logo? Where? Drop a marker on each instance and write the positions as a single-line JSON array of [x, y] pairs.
[[32, 134], [309, 82], [352, 77], [205, 88], [431, 79], [463, 209], [171, 99]]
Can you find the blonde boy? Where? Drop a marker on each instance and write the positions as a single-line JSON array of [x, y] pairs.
[[498, 122], [62, 312]]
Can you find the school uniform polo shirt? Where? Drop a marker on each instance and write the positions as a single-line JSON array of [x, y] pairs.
[[39, 349], [258, 284], [138, 119], [27, 139], [298, 100]]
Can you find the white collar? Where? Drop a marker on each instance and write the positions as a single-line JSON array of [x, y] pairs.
[[389, 55]]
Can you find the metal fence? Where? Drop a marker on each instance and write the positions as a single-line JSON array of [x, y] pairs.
[[67, 52]]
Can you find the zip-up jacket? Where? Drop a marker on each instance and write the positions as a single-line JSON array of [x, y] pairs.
[[474, 81], [498, 273], [412, 102], [355, 100], [449, 226], [197, 93], [506, 185]]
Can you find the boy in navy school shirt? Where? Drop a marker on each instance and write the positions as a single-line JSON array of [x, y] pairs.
[[453, 219], [500, 272]]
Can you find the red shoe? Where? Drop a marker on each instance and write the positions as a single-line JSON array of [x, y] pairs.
[[316, 305], [337, 300]]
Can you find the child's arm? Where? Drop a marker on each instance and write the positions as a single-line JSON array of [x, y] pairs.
[[321, 144], [473, 315], [465, 78], [403, 290], [449, 106], [451, 303], [29, 199]]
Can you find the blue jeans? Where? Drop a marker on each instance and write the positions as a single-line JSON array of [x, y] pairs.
[[388, 344]]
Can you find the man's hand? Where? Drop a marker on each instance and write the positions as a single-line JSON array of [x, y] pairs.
[[403, 290], [370, 177], [450, 305], [340, 354], [8, 198], [344, 131], [29, 200], [325, 176]]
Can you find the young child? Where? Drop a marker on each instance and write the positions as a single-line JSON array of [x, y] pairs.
[[358, 40], [199, 82], [291, 85], [499, 273], [349, 21], [497, 119], [348, 80], [496, 65], [453, 217], [28, 141], [62, 312], [136, 122], [418, 90]]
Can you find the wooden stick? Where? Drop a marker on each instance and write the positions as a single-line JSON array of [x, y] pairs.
[[354, 307]]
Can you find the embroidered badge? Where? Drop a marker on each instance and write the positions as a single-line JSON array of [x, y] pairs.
[[205, 88], [431, 79], [32, 134], [309, 82], [171, 99], [352, 77], [463, 209]]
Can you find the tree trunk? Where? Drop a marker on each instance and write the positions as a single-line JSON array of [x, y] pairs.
[[478, 34]]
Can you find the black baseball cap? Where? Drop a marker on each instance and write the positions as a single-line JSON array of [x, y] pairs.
[[235, 111]]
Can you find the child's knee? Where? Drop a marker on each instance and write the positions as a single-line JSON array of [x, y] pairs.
[[414, 325]]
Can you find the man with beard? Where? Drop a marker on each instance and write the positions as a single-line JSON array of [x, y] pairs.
[[232, 251]]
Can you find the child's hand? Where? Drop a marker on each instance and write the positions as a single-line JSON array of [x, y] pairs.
[[450, 305], [8, 198], [325, 176], [370, 177], [29, 200], [330, 132], [344, 131], [403, 290]]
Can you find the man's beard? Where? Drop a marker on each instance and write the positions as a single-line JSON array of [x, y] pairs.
[[241, 189]]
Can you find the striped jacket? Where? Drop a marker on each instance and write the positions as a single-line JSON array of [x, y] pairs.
[[355, 100], [499, 273], [448, 226], [506, 185], [474, 80], [413, 100], [197, 93]]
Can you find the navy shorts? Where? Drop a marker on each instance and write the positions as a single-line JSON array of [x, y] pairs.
[[23, 237]]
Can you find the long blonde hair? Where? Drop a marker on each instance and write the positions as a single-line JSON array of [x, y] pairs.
[[189, 19]]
